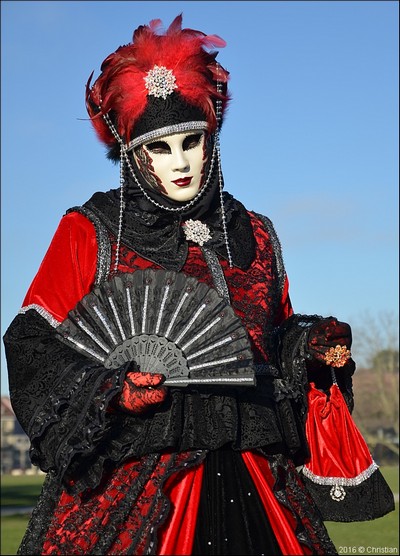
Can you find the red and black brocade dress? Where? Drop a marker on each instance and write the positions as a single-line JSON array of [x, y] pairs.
[[198, 474]]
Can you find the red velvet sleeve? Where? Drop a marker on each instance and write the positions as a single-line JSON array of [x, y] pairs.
[[68, 269]]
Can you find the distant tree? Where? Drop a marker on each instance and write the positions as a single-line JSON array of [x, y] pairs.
[[386, 360], [376, 381], [373, 335], [376, 405]]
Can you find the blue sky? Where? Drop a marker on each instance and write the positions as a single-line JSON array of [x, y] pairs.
[[310, 139]]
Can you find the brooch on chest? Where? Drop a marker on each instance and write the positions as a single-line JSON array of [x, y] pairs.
[[196, 231]]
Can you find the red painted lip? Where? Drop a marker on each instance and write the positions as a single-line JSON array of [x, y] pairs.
[[182, 182]]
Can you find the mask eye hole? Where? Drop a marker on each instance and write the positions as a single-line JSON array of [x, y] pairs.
[[158, 147], [191, 141]]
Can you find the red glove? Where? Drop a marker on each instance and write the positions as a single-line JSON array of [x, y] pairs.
[[141, 391], [329, 341]]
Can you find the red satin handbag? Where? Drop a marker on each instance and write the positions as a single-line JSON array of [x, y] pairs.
[[341, 475]]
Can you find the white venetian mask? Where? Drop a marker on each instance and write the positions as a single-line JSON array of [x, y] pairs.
[[174, 164]]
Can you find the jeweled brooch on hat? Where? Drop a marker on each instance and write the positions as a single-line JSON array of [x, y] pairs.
[[160, 82]]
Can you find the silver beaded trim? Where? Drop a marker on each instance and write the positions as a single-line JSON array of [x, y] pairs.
[[218, 109], [42, 312], [165, 131], [341, 481], [221, 186]]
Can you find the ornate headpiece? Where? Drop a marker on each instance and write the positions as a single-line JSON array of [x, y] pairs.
[[158, 85]]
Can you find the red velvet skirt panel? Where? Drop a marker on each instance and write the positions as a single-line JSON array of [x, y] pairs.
[[282, 522], [177, 534]]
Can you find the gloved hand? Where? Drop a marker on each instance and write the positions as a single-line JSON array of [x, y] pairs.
[[329, 341], [141, 391]]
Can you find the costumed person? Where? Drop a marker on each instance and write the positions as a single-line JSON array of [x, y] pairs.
[[157, 364]]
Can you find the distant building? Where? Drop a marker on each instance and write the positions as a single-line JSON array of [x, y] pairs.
[[14, 442]]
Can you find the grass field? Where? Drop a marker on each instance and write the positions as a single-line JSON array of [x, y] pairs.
[[20, 490], [380, 536]]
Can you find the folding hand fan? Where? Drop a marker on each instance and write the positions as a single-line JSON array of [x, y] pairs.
[[166, 322]]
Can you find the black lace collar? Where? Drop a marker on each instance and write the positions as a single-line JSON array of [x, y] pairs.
[[157, 235]]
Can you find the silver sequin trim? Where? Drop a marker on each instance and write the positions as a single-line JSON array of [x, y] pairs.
[[167, 130], [217, 273], [42, 312], [341, 481], [103, 243]]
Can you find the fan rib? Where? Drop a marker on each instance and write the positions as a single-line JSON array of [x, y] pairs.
[[210, 347], [209, 380], [206, 329], [144, 313], [191, 322], [105, 323], [116, 315], [87, 349], [129, 303], [91, 334], [174, 316], [213, 363], [162, 307]]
